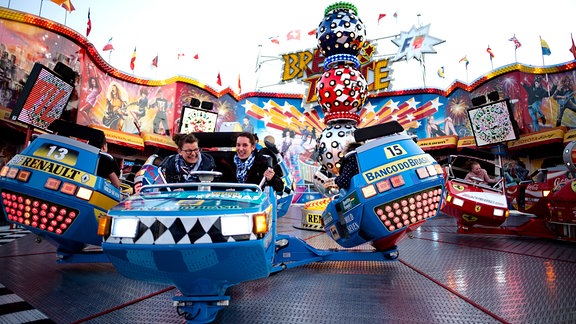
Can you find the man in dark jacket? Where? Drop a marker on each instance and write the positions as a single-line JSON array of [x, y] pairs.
[[248, 165], [179, 167]]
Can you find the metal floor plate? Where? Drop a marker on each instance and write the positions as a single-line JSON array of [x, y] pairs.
[[440, 277]]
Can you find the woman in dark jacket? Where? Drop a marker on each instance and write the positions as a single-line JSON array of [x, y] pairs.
[[248, 165], [178, 167]]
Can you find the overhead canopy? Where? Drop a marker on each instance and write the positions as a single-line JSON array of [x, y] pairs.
[[549, 136], [570, 136], [438, 143], [161, 141], [466, 142], [121, 138]]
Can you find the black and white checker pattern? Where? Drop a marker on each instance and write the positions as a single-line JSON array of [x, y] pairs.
[[14, 309], [181, 230], [8, 235]]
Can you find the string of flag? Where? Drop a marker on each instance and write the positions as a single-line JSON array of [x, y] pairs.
[[296, 34]]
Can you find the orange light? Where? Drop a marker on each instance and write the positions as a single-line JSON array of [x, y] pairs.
[[104, 225], [4, 171], [68, 188], [260, 222], [24, 175], [52, 184]]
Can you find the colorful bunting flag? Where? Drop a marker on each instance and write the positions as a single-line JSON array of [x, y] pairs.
[[239, 85], [545, 48], [155, 61], [312, 32], [219, 80], [89, 24], [133, 60], [489, 50], [465, 60], [108, 46], [441, 72], [573, 48], [275, 40], [196, 56], [380, 17], [516, 42], [295, 34], [66, 4]]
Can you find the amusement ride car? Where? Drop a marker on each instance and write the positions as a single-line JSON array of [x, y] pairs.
[[51, 188], [191, 235]]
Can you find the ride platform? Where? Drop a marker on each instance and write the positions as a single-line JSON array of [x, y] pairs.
[[440, 277]]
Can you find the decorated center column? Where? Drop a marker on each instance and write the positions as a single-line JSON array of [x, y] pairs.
[[342, 89]]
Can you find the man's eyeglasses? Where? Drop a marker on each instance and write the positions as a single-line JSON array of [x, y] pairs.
[[190, 151]]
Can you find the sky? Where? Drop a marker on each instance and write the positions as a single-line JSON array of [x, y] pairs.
[[231, 37]]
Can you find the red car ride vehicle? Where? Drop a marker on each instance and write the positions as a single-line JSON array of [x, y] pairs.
[[474, 202]]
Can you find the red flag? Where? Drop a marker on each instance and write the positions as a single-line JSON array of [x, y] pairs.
[[154, 61], [239, 84], [196, 56], [573, 48], [108, 46], [312, 32], [219, 80], [133, 60], [295, 34], [275, 40], [89, 24], [380, 17]]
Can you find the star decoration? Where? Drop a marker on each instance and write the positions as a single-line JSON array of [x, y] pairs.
[[412, 103], [369, 107], [248, 106], [393, 105], [286, 107], [268, 105], [415, 43]]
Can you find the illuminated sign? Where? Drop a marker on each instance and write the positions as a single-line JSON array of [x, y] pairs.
[[43, 98], [307, 66]]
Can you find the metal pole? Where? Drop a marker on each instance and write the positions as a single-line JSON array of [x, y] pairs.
[[258, 66]]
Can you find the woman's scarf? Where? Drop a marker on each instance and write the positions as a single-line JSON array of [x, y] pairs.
[[184, 170], [243, 167]]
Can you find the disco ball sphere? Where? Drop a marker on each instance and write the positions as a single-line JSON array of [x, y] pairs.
[[332, 142], [341, 93], [341, 31]]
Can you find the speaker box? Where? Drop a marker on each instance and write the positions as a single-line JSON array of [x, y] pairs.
[[493, 96], [207, 105], [478, 101], [195, 102], [65, 72]]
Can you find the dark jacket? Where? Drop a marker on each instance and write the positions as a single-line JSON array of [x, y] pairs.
[[348, 169], [172, 175], [272, 151], [254, 175]]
